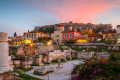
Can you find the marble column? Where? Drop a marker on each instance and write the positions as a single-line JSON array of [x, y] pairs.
[[4, 51]]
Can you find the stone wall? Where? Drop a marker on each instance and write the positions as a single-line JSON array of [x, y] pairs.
[[6, 76], [27, 50], [58, 55], [43, 49], [20, 51], [12, 49]]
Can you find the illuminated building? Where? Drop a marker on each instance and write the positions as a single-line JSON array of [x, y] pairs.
[[94, 37], [49, 42], [19, 41], [68, 35], [57, 35], [109, 34], [87, 31], [33, 35]]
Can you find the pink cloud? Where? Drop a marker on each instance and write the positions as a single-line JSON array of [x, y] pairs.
[[77, 10]]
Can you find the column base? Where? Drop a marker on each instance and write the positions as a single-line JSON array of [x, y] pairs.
[[6, 76], [5, 69]]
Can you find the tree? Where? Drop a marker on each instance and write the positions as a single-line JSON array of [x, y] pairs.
[[70, 42], [44, 40], [110, 41], [47, 30], [15, 34]]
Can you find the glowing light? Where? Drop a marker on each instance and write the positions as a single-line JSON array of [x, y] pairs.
[[27, 41], [81, 41], [49, 43], [31, 44], [99, 39]]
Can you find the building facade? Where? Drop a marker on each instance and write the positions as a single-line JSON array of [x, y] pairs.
[[118, 34], [70, 35], [33, 35], [57, 35], [94, 37], [109, 34]]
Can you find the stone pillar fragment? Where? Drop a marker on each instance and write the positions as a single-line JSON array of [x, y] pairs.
[[4, 51]]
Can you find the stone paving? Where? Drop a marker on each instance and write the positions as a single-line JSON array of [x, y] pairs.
[[58, 74]]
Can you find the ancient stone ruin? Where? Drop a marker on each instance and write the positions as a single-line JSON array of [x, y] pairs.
[[5, 68]]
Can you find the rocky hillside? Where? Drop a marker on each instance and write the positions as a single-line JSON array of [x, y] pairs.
[[79, 26]]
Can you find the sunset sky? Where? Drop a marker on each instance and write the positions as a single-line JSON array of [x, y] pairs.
[[22, 15]]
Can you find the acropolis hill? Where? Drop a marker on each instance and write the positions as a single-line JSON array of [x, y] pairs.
[[78, 26]]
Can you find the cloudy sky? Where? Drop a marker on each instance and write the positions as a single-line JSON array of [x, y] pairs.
[[22, 15]]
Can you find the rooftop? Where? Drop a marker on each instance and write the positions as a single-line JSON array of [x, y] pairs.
[[66, 31], [109, 32], [38, 32], [94, 35]]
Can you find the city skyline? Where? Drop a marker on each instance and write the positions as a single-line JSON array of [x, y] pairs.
[[22, 15]]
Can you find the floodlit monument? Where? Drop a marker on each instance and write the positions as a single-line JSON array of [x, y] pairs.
[[5, 69]]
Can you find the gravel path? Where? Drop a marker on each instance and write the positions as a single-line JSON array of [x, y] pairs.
[[58, 74]]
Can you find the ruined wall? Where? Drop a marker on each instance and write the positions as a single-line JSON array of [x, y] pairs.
[[20, 51], [43, 49], [58, 55], [27, 50], [6, 76]]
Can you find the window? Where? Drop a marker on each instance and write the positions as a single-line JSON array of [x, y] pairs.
[[32, 34], [56, 35], [27, 35], [65, 35], [65, 40], [112, 35], [35, 35], [106, 35], [76, 34], [70, 34]]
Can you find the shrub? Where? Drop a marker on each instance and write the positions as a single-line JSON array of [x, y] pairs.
[[97, 69]]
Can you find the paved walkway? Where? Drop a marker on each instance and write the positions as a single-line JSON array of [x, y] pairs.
[[58, 74]]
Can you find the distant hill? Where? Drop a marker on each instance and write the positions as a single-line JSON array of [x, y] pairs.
[[79, 26]]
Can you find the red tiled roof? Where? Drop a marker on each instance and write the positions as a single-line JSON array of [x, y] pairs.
[[118, 26], [94, 35], [19, 37], [69, 31], [60, 25], [80, 37], [35, 32], [109, 32], [38, 32]]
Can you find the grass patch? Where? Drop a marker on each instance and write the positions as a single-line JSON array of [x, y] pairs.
[[12, 54], [28, 77], [56, 62], [25, 70], [25, 76]]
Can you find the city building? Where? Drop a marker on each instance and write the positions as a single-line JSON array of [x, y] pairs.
[[33, 35], [109, 34], [18, 40], [94, 37], [82, 39], [87, 31], [70, 35], [118, 29], [57, 35], [118, 34]]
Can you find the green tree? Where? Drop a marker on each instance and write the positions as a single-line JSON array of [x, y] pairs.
[[70, 42], [47, 30], [110, 41], [44, 40]]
